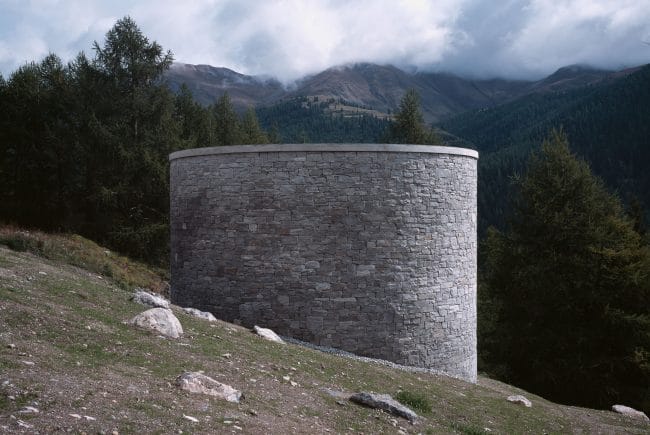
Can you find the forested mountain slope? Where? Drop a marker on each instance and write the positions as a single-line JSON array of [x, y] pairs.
[[608, 125], [379, 87]]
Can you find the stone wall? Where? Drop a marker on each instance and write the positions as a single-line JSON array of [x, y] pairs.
[[366, 248]]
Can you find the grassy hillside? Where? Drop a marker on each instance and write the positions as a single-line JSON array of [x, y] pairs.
[[607, 124], [67, 351]]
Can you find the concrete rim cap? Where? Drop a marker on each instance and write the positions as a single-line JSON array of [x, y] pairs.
[[324, 147]]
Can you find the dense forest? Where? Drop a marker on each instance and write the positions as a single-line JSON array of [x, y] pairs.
[[564, 282], [85, 145], [607, 124]]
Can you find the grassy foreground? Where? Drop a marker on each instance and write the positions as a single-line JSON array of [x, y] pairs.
[[66, 351]]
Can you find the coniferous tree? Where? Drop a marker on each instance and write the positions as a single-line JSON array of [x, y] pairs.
[[131, 132], [408, 126], [226, 125], [193, 118], [569, 284], [251, 131]]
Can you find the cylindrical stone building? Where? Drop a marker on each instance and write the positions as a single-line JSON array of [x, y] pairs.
[[362, 247]]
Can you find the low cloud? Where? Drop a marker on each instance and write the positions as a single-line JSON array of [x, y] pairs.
[[290, 38]]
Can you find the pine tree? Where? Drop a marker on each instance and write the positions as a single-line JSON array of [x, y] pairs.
[[408, 126], [570, 281], [226, 126], [251, 131], [193, 118]]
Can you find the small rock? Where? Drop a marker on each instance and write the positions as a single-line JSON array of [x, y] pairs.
[[160, 320], [195, 382], [25, 425], [268, 334], [630, 412], [149, 299], [341, 403], [286, 378], [384, 402], [28, 410], [11, 346], [237, 427], [226, 355], [77, 416], [190, 418], [29, 363], [205, 315], [337, 394], [42, 273], [89, 418], [293, 383], [252, 412], [521, 400]]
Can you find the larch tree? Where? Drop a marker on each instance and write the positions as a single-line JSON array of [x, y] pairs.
[[570, 280]]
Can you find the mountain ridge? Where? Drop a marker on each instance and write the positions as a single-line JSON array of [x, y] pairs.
[[379, 87]]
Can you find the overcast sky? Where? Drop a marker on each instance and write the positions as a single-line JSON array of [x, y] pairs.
[[290, 38]]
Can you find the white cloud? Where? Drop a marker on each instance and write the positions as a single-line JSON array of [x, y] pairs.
[[289, 38]]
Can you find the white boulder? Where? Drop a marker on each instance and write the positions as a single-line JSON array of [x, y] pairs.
[[200, 314], [159, 320], [149, 299], [268, 334], [196, 382], [521, 400], [630, 412]]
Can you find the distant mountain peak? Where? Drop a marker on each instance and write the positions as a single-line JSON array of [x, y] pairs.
[[379, 87]]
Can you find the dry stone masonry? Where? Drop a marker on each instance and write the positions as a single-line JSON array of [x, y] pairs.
[[366, 248]]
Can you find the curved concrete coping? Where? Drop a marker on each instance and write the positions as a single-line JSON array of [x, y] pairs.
[[324, 147]]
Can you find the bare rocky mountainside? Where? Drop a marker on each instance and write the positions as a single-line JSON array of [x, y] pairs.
[[379, 87], [83, 351]]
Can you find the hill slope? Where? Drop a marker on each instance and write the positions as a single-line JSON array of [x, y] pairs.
[[606, 124], [74, 359]]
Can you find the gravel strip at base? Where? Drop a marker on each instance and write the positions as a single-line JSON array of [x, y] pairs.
[[339, 352]]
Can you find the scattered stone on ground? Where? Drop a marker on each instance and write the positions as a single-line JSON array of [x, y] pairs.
[[630, 412], [28, 410], [338, 394], [195, 382], [11, 346], [521, 400], [190, 418], [268, 334], [200, 314], [384, 402], [149, 299], [24, 425], [160, 320]]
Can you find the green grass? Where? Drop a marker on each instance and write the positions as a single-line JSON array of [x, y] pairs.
[[418, 402], [77, 251]]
